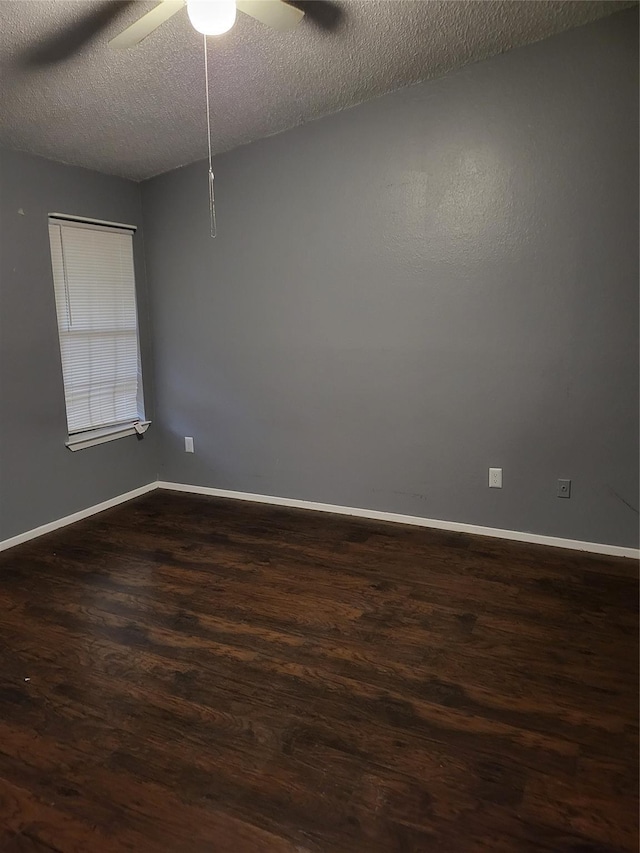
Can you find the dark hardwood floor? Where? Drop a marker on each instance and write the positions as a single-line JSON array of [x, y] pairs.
[[190, 674]]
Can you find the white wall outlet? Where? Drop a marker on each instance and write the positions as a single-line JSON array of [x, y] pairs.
[[495, 478], [188, 444]]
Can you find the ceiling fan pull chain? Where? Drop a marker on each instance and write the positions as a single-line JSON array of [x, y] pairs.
[[212, 204], [212, 198]]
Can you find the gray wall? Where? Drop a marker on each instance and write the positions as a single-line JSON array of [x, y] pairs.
[[411, 291], [40, 480]]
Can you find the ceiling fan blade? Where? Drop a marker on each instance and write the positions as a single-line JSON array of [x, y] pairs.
[[145, 25], [324, 14], [74, 37], [274, 13]]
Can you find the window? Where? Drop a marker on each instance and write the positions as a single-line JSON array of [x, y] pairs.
[[94, 283]]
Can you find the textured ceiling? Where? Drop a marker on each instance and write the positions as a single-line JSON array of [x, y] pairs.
[[140, 112]]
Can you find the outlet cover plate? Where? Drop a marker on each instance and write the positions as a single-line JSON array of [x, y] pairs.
[[564, 488], [495, 478]]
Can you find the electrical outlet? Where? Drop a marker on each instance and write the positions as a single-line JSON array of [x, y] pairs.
[[564, 488], [495, 478], [188, 444]]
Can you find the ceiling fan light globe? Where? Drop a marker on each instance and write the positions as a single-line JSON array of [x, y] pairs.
[[212, 17]]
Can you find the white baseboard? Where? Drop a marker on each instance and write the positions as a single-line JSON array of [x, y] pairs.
[[76, 516], [378, 515]]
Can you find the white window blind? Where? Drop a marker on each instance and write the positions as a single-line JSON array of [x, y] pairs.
[[94, 284]]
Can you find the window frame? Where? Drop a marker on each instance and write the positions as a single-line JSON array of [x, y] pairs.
[[89, 437]]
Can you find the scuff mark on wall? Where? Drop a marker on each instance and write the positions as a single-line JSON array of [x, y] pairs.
[[622, 500]]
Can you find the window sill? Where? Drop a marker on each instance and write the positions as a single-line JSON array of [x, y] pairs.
[[99, 436]]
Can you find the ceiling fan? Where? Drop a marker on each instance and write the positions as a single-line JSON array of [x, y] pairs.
[[65, 43], [211, 17]]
